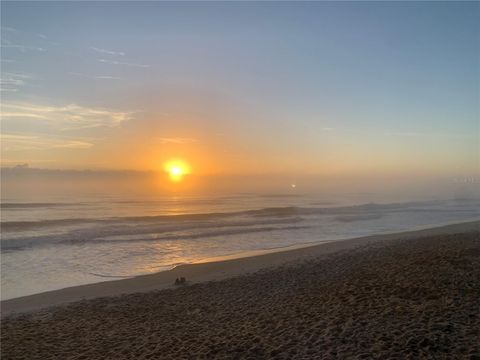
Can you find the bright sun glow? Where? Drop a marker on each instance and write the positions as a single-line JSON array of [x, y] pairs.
[[177, 169]]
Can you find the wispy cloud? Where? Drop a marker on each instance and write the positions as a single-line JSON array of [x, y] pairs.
[[11, 78], [67, 117], [24, 163], [12, 81], [100, 77], [14, 31], [23, 48], [114, 62], [107, 52], [9, 29], [176, 140], [14, 142]]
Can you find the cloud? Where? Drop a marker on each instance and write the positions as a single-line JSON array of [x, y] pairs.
[[11, 78], [100, 77], [108, 52], [14, 31], [11, 81], [6, 115], [107, 77], [23, 163], [7, 44], [7, 28], [176, 140], [68, 117], [114, 62], [13, 142], [24, 48]]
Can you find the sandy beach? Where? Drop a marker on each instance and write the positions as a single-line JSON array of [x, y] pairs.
[[406, 295]]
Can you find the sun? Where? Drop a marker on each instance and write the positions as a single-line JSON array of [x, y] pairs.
[[177, 169]]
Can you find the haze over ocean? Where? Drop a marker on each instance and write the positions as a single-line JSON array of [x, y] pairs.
[[66, 241]]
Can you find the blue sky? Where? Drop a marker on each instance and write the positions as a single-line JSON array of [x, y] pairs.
[[305, 87]]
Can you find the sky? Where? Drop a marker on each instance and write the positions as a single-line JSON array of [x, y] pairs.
[[243, 88]]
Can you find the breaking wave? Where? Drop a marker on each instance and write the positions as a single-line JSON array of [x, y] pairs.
[[264, 212]]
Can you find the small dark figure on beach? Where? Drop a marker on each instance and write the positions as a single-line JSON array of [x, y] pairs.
[[180, 281]]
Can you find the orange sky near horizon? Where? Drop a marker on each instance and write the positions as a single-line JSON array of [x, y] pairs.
[[324, 89]]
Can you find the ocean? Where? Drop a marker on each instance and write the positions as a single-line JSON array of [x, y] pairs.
[[62, 242]]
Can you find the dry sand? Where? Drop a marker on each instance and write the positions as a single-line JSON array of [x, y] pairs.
[[408, 295]]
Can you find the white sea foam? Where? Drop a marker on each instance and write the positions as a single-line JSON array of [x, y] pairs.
[[50, 245]]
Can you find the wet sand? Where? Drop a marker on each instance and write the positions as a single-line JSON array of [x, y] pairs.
[[408, 295]]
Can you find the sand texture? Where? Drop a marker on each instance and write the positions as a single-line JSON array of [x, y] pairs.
[[414, 297]]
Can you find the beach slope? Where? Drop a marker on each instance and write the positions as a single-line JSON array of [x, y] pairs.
[[407, 295]]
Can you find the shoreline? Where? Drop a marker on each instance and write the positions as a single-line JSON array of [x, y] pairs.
[[400, 296], [260, 252], [214, 269]]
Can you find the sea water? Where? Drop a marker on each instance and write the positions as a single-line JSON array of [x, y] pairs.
[[57, 243]]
